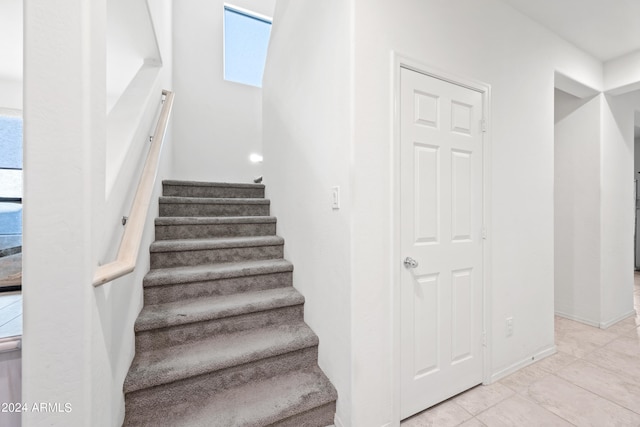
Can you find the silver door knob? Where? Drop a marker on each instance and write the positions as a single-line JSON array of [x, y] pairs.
[[410, 262]]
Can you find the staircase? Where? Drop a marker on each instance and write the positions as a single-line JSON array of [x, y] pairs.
[[221, 339]]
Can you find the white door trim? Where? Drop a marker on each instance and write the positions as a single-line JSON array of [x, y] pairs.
[[400, 61]]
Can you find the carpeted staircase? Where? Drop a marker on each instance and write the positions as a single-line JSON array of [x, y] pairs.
[[221, 340]]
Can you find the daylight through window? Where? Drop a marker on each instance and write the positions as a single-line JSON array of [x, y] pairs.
[[246, 39]]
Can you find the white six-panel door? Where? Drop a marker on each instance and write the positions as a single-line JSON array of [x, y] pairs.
[[441, 230]]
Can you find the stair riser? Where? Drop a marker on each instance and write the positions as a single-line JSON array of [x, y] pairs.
[[196, 384], [321, 416], [165, 337], [212, 191], [212, 209], [212, 256], [168, 232], [171, 293], [179, 394]]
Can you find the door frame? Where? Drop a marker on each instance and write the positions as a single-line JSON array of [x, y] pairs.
[[401, 61]]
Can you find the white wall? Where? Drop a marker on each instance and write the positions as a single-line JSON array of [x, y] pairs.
[[481, 40], [636, 155], [11, 54], [636, 176], [79, 352], [64, 151], [621, 74], [217, 124], [118, 303], [617, 209], [577, 207], [307, 150], [11, 94], [490, 42], [131, 42], [133, 69]]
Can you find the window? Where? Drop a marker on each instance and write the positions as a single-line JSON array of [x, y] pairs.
[[246, 39], [10, 156], [10, 175]]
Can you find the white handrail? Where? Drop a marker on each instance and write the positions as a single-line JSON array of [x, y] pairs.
[[127, 256]]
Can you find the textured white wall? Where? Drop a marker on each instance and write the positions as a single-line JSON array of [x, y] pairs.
[[307, 150], [217, 124], [577, 207]]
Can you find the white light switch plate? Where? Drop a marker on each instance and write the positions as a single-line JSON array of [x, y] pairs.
[[335, 197]]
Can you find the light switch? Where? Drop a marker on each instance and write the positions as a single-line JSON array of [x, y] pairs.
[[335, 197]]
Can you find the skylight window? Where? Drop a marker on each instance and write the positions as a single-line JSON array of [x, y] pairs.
[[246, 39]]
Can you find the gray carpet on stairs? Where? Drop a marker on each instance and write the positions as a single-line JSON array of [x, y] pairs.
[[221, 339]]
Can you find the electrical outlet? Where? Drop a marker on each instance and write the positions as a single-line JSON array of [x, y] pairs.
[[509, 326]]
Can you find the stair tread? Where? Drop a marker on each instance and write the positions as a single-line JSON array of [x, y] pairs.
[[214, 243], [214, 200], [261, 402], [188, 274], [226, 346], [211, 184], [204, 220], [217, 307], [161, 366]]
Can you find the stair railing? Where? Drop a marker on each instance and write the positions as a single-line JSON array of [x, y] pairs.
[[127, 257]]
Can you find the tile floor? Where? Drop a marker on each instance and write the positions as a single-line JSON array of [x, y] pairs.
[[593, 380]]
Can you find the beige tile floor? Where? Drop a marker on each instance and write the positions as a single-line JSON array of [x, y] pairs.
[[593, 380]]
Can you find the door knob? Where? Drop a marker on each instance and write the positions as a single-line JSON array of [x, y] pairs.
[[410, 262]]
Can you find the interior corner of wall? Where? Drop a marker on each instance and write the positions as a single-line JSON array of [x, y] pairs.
[[621, 75], [154, 33], [573, 86]]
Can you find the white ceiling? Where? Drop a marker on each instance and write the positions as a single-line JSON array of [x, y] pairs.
[[606, 29]]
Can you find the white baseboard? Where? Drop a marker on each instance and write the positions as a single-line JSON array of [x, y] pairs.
[[594, 323], [549, 351], [605, 325], [575, 318], [337, 422]]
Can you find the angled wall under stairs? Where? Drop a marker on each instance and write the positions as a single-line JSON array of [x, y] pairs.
[[221, 339]]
